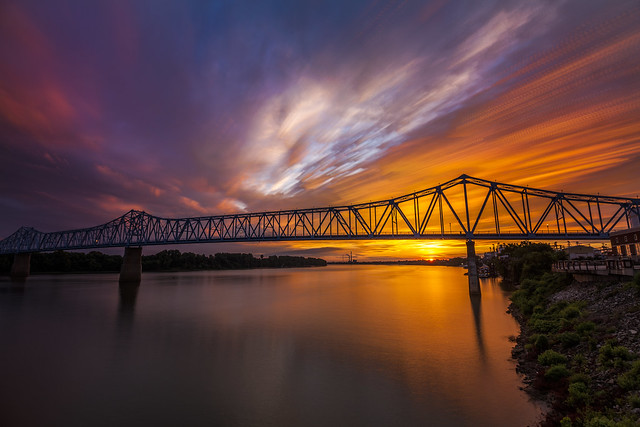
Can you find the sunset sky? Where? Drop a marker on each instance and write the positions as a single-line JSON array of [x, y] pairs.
[[185, 108]]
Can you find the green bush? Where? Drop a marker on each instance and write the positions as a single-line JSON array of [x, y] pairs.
[[551, 357], [542, 342], [521, 300], [569, 339], [585, 328], [614, 355], [630, 380], [570, 312], [597, 419], [556, 372], [634, 401], [578, 394], [558, 307], [580, 378], [544, 326], [566, 422], [600, 421], [579, 360], [622, 353]]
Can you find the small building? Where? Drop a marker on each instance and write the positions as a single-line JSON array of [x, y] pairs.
[[626, 243], [580, 252], [488, 256]]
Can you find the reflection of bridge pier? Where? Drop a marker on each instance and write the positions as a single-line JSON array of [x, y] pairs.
[[476, 307], [474, 283], [128, 294], [126, 308]]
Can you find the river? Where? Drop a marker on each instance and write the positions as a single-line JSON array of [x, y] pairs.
[[335, 346]]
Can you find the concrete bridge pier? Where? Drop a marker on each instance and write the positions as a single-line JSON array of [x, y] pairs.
[[131, 271], [474, 283], [21, 266]]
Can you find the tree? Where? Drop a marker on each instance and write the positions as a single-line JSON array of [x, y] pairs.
[[525, 259]]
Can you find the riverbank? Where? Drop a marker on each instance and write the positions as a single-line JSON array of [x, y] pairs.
[[579, 349]]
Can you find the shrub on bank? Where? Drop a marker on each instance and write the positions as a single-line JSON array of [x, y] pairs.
[[569, 339], [578, 360], [614, 355], [585, 328], [579, 395], [566, 422], [634, 401], [544, 326], [570, 312], [557, 372], [599, 420], [532, 296], [551, 357], [541, 342], [630, 380], [580, 378]]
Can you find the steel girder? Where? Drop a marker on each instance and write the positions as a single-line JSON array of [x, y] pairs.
[[477, 208]]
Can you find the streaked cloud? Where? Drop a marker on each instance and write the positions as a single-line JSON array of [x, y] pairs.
[[321, 130]]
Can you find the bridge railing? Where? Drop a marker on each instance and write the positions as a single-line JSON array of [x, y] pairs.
[[625, 267]]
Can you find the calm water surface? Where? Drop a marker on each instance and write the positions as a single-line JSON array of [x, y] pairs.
[[334, 346]]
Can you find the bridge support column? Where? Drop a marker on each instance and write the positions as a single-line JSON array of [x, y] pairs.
[[474, 283], [21, 266], [131, 271]]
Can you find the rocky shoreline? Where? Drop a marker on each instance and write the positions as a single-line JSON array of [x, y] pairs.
[[579, 349]]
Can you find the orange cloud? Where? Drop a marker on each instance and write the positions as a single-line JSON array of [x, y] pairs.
[[127, 182]]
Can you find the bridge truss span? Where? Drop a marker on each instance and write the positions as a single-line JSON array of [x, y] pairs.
[[464, 208]]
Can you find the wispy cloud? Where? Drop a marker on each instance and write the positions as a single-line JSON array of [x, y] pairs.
[[321, 130]]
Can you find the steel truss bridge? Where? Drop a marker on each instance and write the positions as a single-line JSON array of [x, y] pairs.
[[464, 208]]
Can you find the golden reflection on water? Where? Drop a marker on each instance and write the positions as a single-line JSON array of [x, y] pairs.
[[416, 325]]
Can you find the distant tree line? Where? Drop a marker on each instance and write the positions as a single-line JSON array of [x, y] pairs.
[[171, 260], [167, 260], [67, 262], [452, 262]]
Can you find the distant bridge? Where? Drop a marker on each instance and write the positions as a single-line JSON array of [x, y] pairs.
[[464, 208]]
